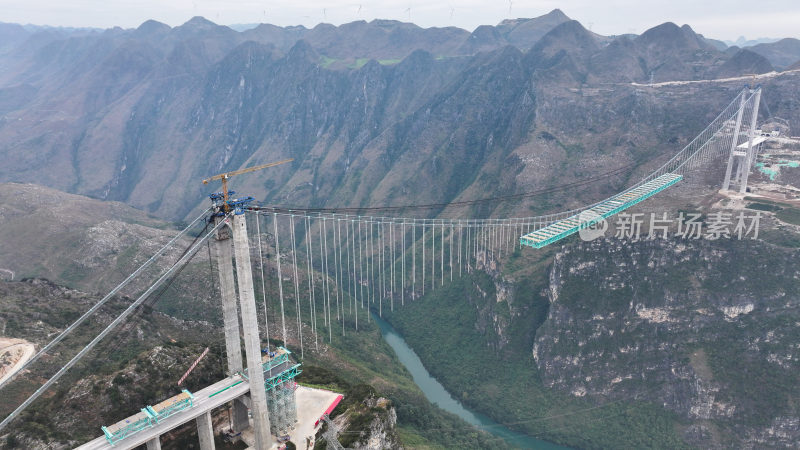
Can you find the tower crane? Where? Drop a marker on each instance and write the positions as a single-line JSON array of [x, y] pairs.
[[225, 176]]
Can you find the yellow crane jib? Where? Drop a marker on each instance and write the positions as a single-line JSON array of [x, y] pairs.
[[225, 194]]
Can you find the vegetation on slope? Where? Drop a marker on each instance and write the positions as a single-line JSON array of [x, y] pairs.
[[505, 384]]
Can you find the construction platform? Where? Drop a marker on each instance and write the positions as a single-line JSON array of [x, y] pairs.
[[279, 374], [560, 229]]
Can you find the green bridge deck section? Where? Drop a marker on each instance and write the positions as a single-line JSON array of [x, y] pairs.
[[566, 227]]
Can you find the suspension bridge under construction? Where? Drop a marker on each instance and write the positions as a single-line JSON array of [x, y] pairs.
[[333, 267]]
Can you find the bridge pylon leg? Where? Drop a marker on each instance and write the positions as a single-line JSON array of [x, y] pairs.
[[726, 185], [252, 340], [750, 156], [230, 314], [205, 431], [230, 317]]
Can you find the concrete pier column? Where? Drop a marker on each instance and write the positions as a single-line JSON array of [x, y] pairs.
[[239, 416], [230, 315], [252, 340], [154, 444], [205, 431]]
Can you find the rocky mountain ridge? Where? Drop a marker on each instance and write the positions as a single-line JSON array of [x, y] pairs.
[[140, 116], [655, 333]]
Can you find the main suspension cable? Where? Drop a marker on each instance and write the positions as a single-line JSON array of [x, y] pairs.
[[103, 301], [109, 328]]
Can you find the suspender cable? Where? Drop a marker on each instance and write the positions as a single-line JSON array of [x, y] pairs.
[[326, 277], [460, 239], [355, 284], [391, 243], [414, 259], [385, 275], [312, 297], [403, 277], [492, 238], [475, 242], [469, 245], [503, 241], [433, 255], [322, 272], [482, 247], [280, 279], [486, 230], [336, 246], [495, 242], [423, 258], [451, 251], [442, 265], [342, 247], [296, 288], [360, 266], [381, 269], [261, 266], [340, 289], [372, 260], [349, 259]]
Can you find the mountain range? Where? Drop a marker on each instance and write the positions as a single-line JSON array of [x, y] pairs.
[[696, 351], [370, 111]]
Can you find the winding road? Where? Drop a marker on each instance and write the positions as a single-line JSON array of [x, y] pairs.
[[13, 354]]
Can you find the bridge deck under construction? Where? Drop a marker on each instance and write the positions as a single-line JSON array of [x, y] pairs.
[[566, 227]]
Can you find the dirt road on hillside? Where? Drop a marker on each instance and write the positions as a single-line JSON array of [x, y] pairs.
[[13, 354]]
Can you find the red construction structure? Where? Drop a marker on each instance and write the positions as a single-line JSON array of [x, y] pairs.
[[330, 409]]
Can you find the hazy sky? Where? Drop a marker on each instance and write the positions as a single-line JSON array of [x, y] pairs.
[[713, 18]]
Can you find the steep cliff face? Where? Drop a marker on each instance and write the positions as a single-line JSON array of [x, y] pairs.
[[365, 421], [707, 329], [656, 344], [380, 433]]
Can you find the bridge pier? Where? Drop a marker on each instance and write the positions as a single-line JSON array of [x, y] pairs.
[[205, 431], [154, 444], [239, 418], [252, 340]]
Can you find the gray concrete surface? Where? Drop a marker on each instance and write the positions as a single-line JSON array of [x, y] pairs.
[[203, 403], [205, 431], [230, 314], [311, 403], [252, 340]]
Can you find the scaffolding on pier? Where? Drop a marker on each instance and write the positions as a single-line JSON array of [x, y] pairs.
[[279, 374]]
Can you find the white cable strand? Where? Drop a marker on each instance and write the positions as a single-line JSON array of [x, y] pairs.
[[263, 289]]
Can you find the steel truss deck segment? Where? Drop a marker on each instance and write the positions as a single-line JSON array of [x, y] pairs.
[[148, 417], [172, 405], [571, 225], [126, 427]]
